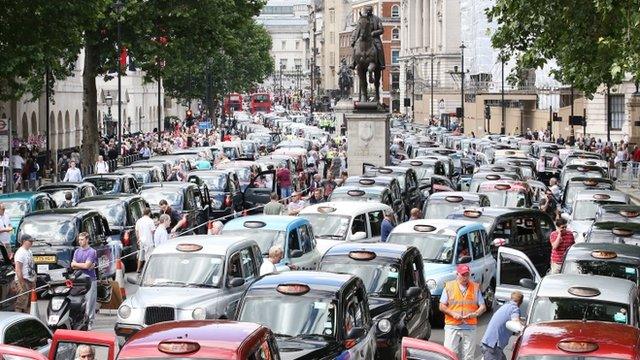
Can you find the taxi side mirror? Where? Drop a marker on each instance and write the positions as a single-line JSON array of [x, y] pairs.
[[360, 235], [412, 293], [236, 282], [464, 260], [528, 283], [356, 333], [133, 279], [296, 253], [514, 326]]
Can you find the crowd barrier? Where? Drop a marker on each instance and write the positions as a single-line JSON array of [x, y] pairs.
[[626, 173]]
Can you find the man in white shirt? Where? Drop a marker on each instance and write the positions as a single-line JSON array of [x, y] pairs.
[[296, 204], [5, 230], [25, 273], [269, 264], [101, 166], [144, 233], [161, 236], [541, 164], [73, 173], [17, 162]]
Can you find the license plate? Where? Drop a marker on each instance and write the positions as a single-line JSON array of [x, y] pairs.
[[42, 268], [44, 259], [53, 319]]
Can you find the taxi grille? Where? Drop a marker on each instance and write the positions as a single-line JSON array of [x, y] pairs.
[[156, 314]]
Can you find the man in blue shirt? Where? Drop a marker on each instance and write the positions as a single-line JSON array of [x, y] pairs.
[[85, 259], [386, 226], [496, 337]]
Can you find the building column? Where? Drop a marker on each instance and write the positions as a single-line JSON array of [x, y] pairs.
[[426, 8], [417, 21]]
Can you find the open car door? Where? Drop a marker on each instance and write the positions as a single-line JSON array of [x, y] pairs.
[[367, 167], [16, 352], [66, 342], [259, 192], [515, 272], [414, 349]]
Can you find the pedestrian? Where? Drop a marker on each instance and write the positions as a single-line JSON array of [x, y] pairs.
[[328, 186], [461, 303], [145, 152], [73, 174], [496, 336], [5, 230], [273, 207], [387, 225], [283, 178], [541, 164], [269, 265], [556, 191], [85, 259], [33, 174], [68, 201], [215, 228], [144, 233], [296, 204], [101, 166], [25, 278], [548, 204], [160, 235], [316, 182], [317, 196], [202, 163], [177, 221], [416, 214], [561, 240], [85, 352]]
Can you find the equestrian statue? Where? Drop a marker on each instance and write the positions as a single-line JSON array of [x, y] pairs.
[[345, 80], [368, 54]]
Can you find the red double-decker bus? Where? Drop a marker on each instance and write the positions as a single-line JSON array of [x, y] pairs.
[[233, 102], [260, 102]]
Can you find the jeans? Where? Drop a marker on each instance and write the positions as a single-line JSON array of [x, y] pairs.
[[555, 268], [91, 299], [285, 192], [494, 353], [461, 342]]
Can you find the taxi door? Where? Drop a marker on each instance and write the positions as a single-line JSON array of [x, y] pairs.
[[301, 248], [414, 349], [65, 344], [258, 193], [359, 333], [515, 272]]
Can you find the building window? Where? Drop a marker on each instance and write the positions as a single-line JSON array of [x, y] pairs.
[[395, 34], [284, 44], [332, 16], [297, 45], [395, 54], [617, 111], [395, 11], [395, 81]]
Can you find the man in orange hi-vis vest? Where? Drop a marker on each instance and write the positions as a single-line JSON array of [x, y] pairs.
[[461, 303]]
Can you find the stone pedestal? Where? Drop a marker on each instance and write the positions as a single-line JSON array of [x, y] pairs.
[[634, 116], [368, 136]]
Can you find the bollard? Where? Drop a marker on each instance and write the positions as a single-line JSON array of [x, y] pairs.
[[34, 311]]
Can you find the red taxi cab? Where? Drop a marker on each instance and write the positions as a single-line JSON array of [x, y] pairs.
[[505, 193], [568, 340], [195, 339], [414, 349]]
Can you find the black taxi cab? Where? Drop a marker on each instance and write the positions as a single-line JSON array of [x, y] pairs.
[[619, 213], [615, 260], [614, 232], [393, 275], [314, 315], [186, 198]]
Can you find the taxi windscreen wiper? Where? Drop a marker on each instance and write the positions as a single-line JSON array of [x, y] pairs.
[[315, 336], [331, 236], [437, 261], [282, 335], [168, 283]]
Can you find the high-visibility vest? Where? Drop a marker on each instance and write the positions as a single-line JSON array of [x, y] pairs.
[[461, 303]]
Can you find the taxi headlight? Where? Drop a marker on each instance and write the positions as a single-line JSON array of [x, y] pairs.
[[384, 326], [199, 314], [124, 311], [432, 284]]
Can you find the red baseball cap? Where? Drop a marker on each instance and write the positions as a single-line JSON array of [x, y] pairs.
[[463, 269]]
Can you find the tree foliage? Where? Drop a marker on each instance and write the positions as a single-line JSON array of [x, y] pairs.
[[593, 42]]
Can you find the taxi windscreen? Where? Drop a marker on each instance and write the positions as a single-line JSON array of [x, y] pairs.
[[558, 308], [16, 208], [183, 270], [328, 226], [380, 279], [434, 248], [48, 231], [265, 238], [505, 198], [604, 268], [103, 185], [442, 209], [291, 316]]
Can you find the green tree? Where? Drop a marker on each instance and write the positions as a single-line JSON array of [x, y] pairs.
[[593, 42]]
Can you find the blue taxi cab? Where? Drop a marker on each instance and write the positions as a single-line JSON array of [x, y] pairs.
[[314, 315], [19, 204], [291, 233]]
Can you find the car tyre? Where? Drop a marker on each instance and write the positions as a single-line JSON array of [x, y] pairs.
[[490, 295]]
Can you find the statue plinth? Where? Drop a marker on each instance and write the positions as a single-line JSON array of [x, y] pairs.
[[367, 134]]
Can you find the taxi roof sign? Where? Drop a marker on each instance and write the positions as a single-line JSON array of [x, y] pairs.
[[416, 163], [367, 181], [601, 197], [492, 177], [385, 170], [293, 289], [189, 247], [502, 186], [175, 347], [454, 199], [590, 182], [362, 255], [424, 228], [622, 232], [604, 254], [577, 346], [582, 291], [629, 213], [355, 192], [253, 224], [326, 209], [472, 213]]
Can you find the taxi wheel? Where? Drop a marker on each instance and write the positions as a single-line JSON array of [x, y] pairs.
[[490, 295]]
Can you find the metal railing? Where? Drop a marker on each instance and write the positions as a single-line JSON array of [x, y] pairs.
[[626, 173], [113, 164]]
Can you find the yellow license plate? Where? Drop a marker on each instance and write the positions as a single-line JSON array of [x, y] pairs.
[[44, 259]]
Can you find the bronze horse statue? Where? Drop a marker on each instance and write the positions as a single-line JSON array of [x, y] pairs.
[[366, 59]]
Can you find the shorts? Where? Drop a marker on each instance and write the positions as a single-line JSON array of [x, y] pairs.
[[144, 252], [24, 299]]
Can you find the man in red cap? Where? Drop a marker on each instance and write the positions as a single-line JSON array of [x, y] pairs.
[[461, 303]]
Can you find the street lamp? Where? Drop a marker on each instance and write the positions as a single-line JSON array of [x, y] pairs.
[[118, 8], [462, 47], [108, 100], [282, 67]]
